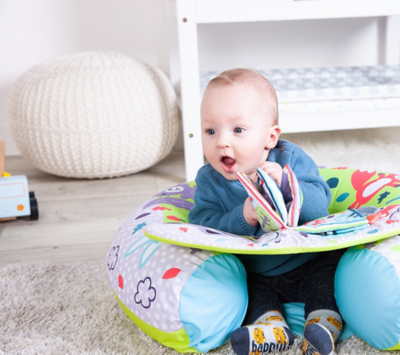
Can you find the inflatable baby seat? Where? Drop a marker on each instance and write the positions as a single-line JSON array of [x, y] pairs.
[[182, 286]]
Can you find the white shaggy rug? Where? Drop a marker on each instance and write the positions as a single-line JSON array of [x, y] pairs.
[[71, 309], [370, 149], [60, 309]]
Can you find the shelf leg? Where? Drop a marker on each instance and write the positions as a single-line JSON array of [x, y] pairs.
[[190, 86], [392, 40]]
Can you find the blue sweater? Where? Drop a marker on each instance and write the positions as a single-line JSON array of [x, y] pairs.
[[218, 203]]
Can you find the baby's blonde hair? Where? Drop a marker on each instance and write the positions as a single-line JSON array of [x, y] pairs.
[[251, 77]]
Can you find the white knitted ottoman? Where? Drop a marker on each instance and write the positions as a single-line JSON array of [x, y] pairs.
[[93, 115]]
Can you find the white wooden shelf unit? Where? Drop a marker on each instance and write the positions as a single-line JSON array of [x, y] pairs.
[[185, 15]]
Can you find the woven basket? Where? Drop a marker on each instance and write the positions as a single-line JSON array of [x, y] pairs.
[[93, 115]]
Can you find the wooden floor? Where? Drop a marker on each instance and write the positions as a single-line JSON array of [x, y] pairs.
[[79, 218]]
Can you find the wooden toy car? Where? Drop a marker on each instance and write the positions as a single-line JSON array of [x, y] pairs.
[[15, 198]]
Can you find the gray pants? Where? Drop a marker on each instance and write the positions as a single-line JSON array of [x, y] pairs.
[[311, 283]]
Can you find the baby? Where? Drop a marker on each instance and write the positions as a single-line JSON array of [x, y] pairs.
[[240, 132]]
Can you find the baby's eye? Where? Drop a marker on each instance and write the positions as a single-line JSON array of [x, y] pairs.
[[210, 132], [238, 130]]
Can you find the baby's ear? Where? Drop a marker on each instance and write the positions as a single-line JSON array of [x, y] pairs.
[[273, 136]]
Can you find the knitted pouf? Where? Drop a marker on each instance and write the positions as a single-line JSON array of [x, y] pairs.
[[93, 115]]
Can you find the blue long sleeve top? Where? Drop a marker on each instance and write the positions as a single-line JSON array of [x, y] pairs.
[[218, 203]]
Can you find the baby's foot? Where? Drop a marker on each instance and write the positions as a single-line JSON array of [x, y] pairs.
[[322, 330], [269, 333], [318, 340]]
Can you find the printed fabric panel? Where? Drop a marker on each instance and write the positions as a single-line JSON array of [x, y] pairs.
[[322, 84]]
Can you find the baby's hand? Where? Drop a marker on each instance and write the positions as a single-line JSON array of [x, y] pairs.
[[274, 170], [249, 214]]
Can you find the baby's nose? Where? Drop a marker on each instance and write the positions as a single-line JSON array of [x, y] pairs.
[[223, 141]]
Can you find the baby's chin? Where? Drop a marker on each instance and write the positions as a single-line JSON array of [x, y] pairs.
[[228, 176], [233, 176]]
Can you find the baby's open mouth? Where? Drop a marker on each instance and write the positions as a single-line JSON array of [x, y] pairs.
[[228, 163]]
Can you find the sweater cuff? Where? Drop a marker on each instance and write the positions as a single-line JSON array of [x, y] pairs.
[[243, 227]]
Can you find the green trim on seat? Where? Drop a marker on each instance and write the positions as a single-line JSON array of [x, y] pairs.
[[396, 347], [291, 250]]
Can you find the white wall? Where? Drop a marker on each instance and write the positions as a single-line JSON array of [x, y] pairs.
[[37, 30]]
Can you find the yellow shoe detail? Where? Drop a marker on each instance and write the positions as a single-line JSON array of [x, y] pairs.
[[314, 320], [259, 336], [335, 323], [277, 318], [280, 335]]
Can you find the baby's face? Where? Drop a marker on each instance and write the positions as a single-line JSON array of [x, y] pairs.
[[236, 128]]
